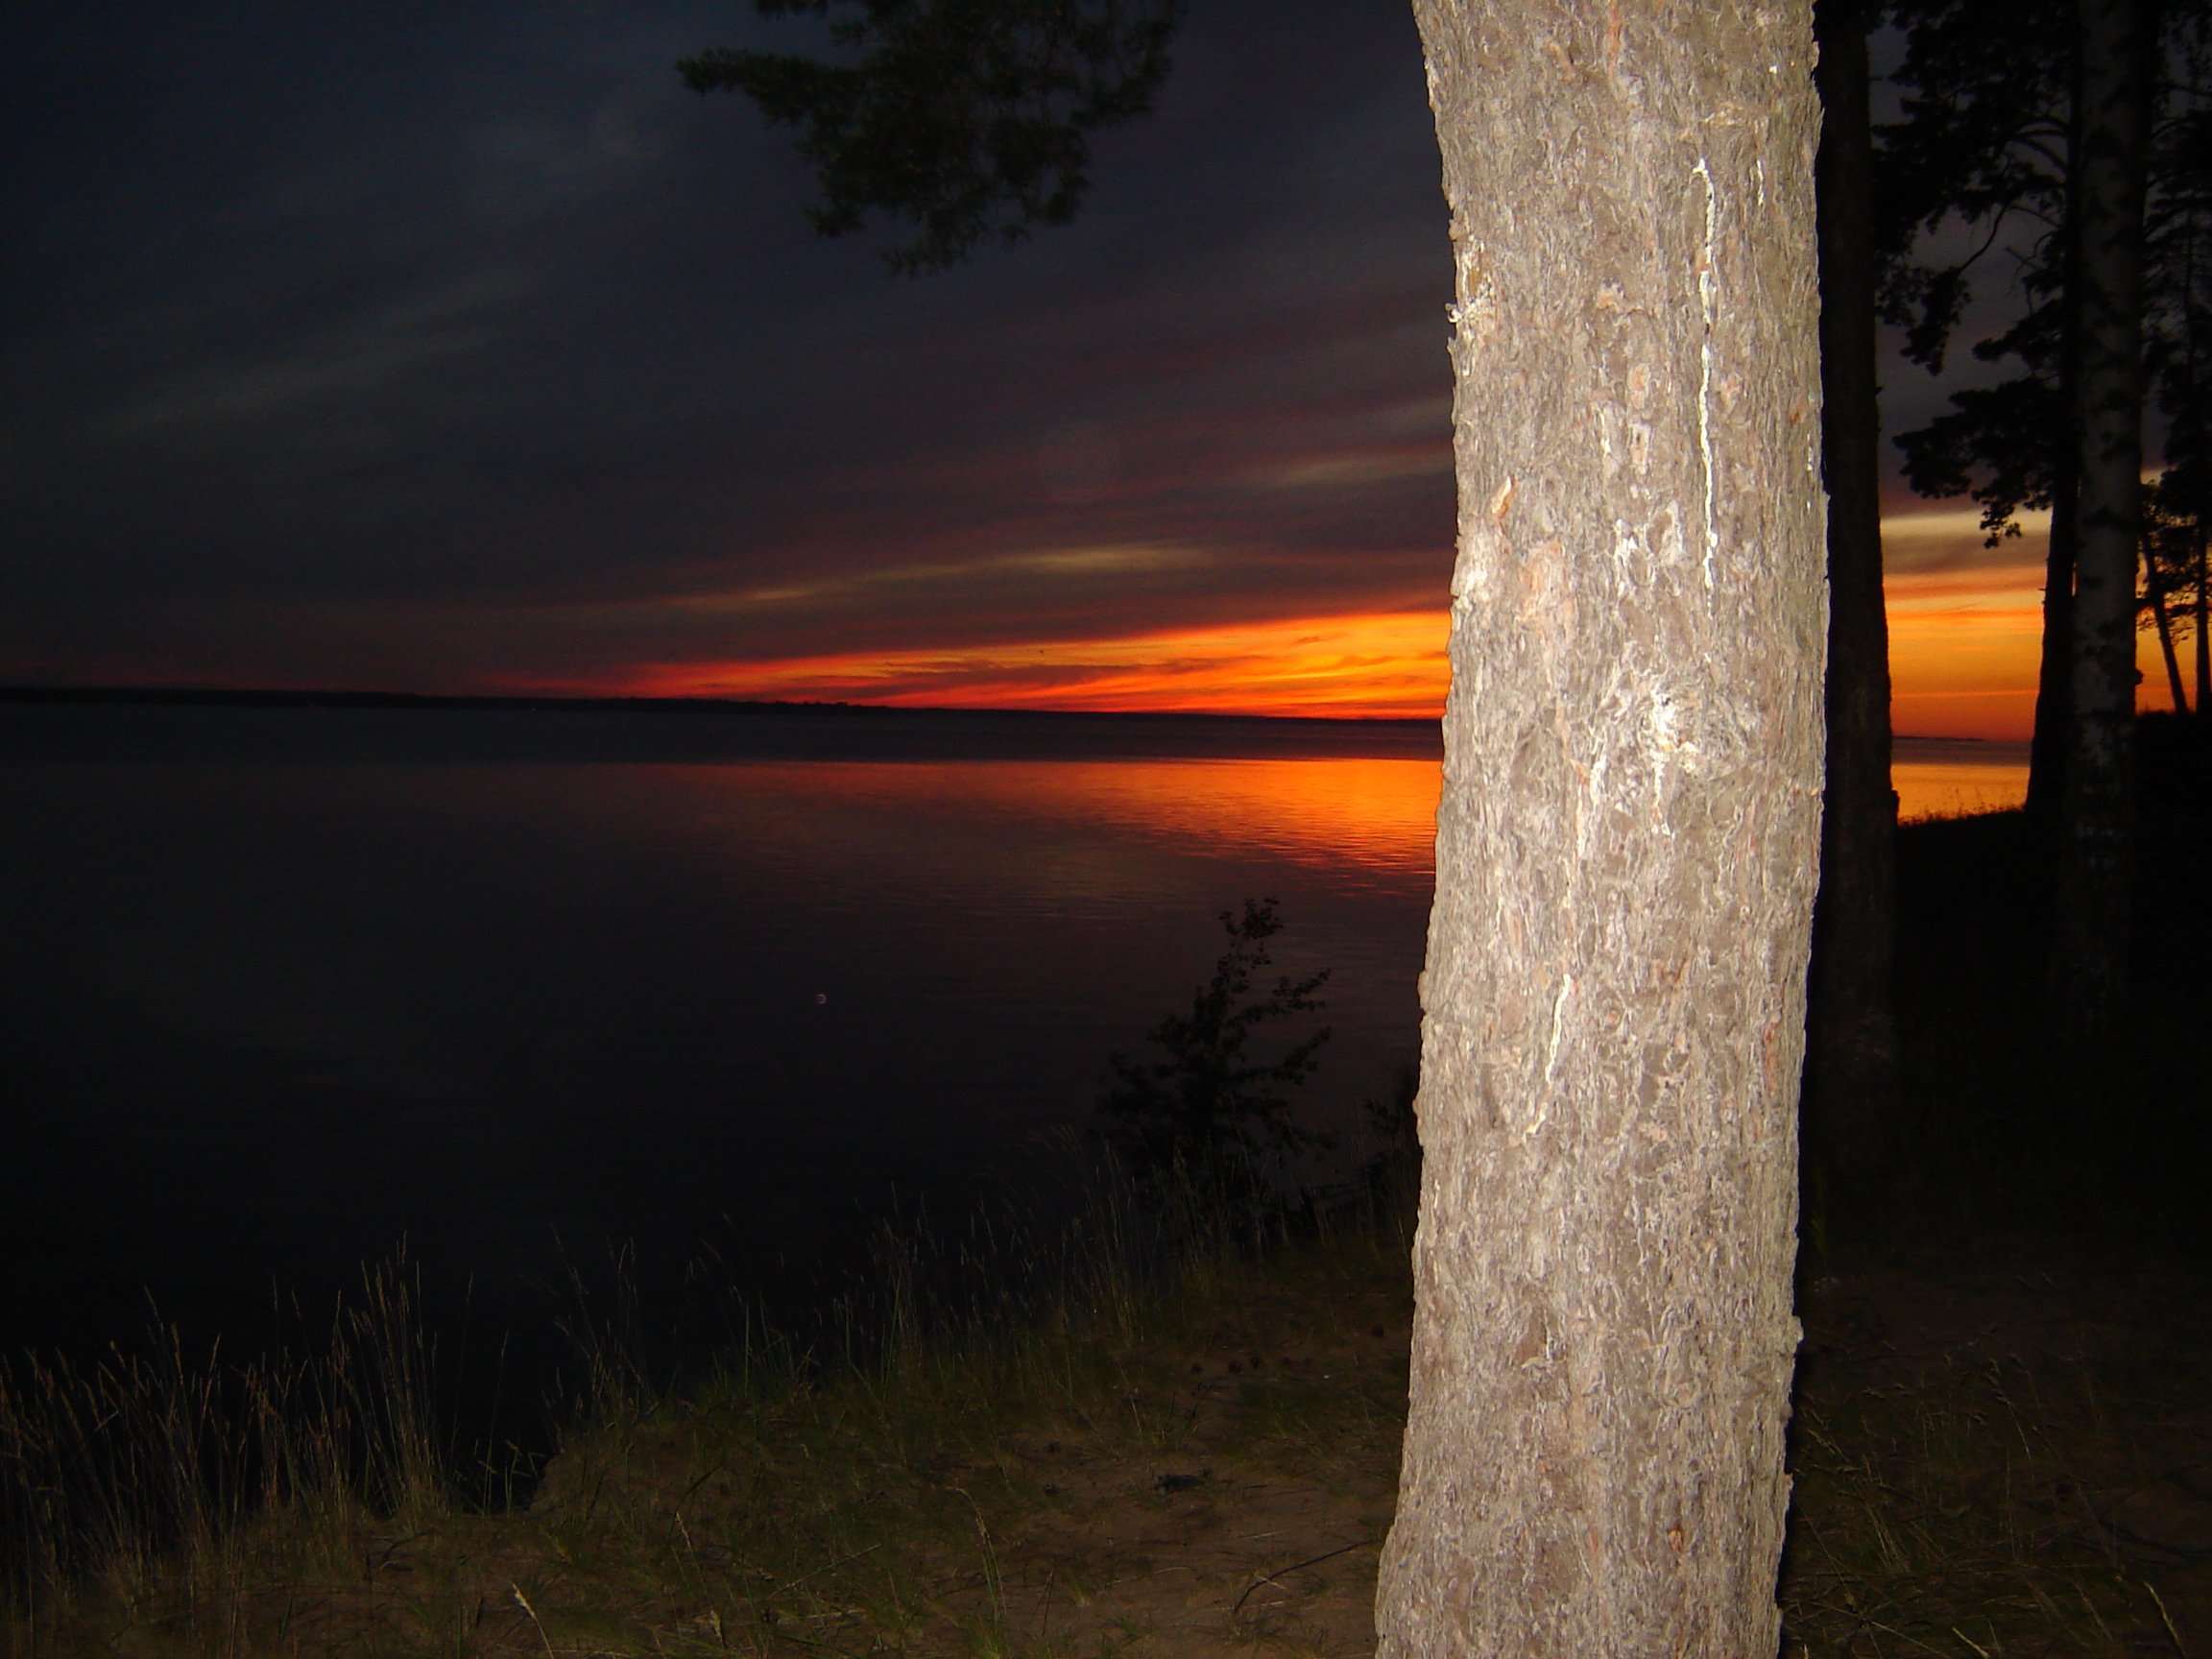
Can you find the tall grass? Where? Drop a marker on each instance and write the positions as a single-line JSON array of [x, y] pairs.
[[871, 1493], [153, 1492], [854, 1471], [943, 1461]]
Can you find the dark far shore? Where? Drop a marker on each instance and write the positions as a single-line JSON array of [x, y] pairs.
[[289, 697]]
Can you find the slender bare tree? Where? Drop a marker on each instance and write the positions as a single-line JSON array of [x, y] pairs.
[[1850, 1112]]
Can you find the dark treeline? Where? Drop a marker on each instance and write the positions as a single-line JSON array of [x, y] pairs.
[[2055, 160]]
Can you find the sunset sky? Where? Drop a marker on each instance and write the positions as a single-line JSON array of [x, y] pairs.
[[458, 348]]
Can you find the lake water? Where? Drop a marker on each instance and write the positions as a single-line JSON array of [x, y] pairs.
[[280, 988], [283, 987], [1954, 777]]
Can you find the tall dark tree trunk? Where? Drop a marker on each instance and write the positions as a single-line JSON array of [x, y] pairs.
[[2090, 917], [2203, 605], [1851, 1035], [1613, 1007], [2162, 619], [2197, 501], [2054, 734]]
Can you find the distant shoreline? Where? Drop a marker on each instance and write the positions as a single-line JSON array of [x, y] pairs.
[[248, 697], [266, 697]]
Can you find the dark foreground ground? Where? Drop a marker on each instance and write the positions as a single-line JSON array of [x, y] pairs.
[[2006, 1450]]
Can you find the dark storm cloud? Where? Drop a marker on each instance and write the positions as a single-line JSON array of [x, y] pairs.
[[420, 345]]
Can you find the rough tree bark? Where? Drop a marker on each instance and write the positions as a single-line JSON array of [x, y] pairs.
[[1851, 1033], [1627, 848], [2090, 913]]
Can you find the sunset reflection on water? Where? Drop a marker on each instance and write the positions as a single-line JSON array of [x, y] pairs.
[[1349, 814], [1952, 778], [1379, 814], [1345, 813]]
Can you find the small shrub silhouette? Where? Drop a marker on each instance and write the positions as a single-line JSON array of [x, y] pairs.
[[1207, 1110]]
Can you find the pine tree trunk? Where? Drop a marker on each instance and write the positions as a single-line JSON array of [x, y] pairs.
[[2053, 738], [2154, 596], [2090, 913], [1851, 1032], [2199, 499], [1627, 846], [2203, 602], [2054, 732]]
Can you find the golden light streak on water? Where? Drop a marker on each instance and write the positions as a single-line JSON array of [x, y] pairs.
[[1375, 815], [1950, 779]]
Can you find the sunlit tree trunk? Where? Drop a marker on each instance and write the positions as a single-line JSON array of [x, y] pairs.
[[2091, 912], [1851, 1035], [1627, 848]]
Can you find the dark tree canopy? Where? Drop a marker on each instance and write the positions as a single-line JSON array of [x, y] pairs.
[[1989, 151], [1985, 146], [2178, 345], [970, 118]]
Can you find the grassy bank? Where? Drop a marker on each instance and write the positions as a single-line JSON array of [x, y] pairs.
[[1096, 1475], [2005, 1451]]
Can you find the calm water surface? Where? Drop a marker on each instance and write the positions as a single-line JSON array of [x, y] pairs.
[[280, 988], [1954, 777]]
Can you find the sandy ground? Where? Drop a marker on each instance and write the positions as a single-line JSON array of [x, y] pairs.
[[2050, 1407], [1259, 1532], [2034, 1476]]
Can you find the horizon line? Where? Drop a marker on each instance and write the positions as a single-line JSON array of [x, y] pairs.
[[338, 697], [326, 697]]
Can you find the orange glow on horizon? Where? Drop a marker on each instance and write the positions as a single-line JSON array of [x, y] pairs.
[[1964, 645], [1963, 650], [1377, 665], [1966, 648]]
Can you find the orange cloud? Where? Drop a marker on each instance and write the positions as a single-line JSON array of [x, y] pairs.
[[1966, 638], [1964, 649], [1371, 664]]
